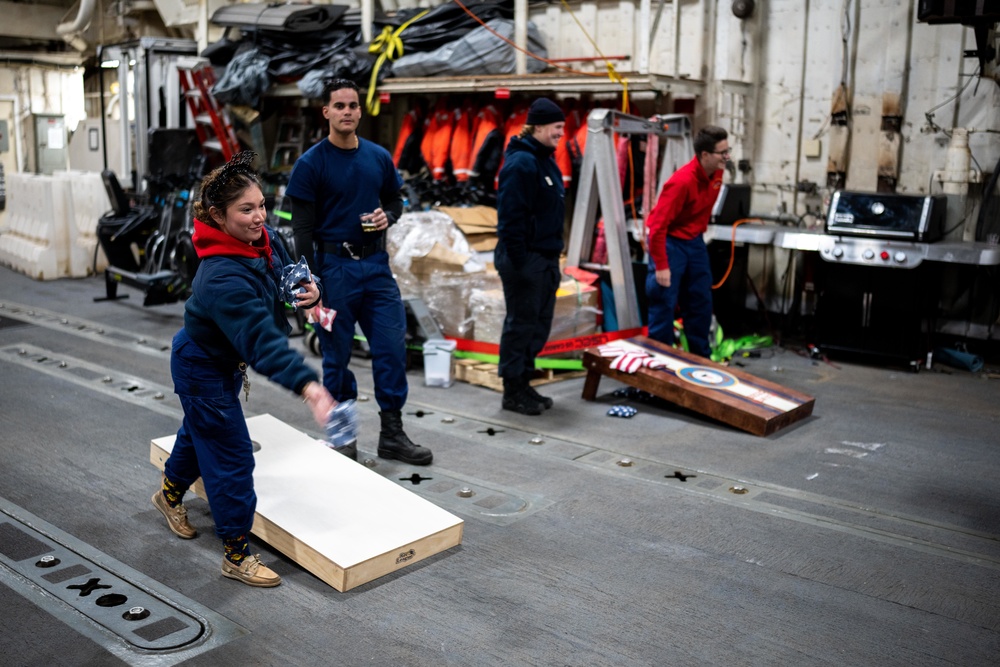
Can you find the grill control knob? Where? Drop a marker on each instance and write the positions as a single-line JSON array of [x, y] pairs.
[[869, 254], [900, 257], [838, 252]]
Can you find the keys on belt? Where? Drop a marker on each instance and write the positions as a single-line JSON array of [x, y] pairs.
[[352, 250]]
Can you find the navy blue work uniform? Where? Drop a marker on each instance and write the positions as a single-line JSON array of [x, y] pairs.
[[338, 185], [234, 316], [691, 289], [530, 217]]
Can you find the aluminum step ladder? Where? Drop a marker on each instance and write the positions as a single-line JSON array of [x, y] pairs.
[[600, 184]]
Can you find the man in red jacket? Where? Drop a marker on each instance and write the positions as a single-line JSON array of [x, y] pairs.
[[679, 270]]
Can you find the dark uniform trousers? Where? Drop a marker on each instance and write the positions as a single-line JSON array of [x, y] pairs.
[[691, 287], [363, 291], [530, 296], [213, 442]]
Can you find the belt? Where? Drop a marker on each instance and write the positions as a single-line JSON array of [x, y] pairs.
[[352, 250]]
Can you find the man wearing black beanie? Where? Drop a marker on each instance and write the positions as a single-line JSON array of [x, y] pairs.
[[530, 211]]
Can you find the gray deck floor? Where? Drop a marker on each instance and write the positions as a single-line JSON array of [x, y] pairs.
[[870, 533]]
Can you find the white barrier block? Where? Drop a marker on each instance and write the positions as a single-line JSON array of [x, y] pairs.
[[37, 243], [87, 201]]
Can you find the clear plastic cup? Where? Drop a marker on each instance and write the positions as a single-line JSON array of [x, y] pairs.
[[368, 222]]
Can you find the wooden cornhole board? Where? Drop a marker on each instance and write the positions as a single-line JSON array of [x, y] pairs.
[[726, 394], [337, 519]]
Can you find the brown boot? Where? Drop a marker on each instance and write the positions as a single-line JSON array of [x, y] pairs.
[[251, 572], [176, 517]]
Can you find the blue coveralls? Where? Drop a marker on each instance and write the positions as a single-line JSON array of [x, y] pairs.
[[341, 184], [367, 294], [235, 314], [691, 284], [213, 442], [530, 217]]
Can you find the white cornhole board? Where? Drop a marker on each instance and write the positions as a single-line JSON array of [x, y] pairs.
[[337, 519]]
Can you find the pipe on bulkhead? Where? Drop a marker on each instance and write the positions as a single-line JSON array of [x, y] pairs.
[[958, 163], [70, 31]]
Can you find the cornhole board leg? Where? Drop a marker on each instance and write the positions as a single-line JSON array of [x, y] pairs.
[[726, 394], [337, 519], [591, 383]]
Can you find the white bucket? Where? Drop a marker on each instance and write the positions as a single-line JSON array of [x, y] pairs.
[[437, 362]]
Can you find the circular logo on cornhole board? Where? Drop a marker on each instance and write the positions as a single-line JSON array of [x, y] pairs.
[[703, 376]]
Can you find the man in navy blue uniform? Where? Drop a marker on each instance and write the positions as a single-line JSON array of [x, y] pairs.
[[334, 184], [531, 209]]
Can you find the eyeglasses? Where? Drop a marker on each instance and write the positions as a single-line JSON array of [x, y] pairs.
[[725, 153]]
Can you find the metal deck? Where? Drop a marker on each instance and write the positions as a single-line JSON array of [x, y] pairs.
[[867, 534]]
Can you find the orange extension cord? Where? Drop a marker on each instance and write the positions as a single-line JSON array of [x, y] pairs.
[[732, 250]]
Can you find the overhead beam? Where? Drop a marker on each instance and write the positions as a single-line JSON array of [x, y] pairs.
[[177, 12], [39, 23]]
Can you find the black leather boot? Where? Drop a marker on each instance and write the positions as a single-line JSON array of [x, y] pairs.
[[393, 443], [544, 400], [517, 398]]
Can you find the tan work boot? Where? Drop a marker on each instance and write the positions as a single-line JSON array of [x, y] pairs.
[[251, 572], [176, 517]]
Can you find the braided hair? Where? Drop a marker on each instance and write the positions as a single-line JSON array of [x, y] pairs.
[[224, 185]]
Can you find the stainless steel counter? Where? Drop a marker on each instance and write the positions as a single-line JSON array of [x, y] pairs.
[[858, 250]]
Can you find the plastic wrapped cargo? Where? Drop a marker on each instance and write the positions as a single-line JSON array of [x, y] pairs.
[[575, 313], [479, 52], [432, 260]]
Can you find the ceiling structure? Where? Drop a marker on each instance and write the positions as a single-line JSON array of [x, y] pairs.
[[68, 31]]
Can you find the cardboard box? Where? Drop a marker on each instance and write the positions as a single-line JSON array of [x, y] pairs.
[[439, 259]]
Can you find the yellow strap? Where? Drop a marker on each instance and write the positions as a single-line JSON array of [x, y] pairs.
[[622, 81], [389, 46], [612, 73]]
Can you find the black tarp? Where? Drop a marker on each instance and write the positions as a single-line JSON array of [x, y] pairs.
[[480, 51], [444, 23], [290, 17]]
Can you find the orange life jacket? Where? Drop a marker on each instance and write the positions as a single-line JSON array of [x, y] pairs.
[[564, 160], [487, 148], [564, 151], [461, 142], [408, 133], [515, 121], [436, 143]]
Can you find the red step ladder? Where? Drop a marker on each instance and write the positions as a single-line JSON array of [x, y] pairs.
[[210, 120]]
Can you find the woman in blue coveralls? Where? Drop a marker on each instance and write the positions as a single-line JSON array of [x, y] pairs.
[[235, 318]]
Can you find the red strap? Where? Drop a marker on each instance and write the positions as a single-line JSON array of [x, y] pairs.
[[556, 346]]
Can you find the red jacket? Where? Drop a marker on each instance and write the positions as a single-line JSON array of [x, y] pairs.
[[683, 209]]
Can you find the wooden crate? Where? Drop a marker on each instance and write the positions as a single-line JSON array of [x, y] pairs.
[[460, 368], [337, 519], [726, 394], [485, 375]]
